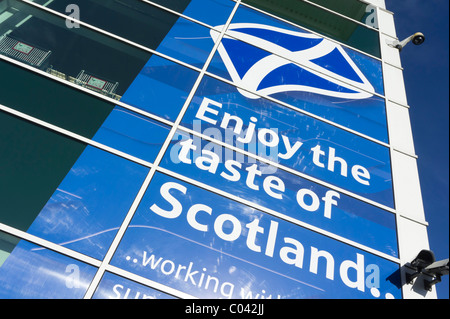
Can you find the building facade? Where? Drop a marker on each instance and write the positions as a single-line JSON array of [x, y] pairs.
[[205, 149]]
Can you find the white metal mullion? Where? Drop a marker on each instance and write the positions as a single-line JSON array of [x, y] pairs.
[[181, 15], [304, 28], [199, 134], [109, 34], [49, 245], [287, 169], [301, 111], [130, 214], [150, 283], [202, 185], [75, 136], [88, 91]]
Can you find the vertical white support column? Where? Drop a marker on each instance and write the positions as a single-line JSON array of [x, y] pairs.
[[411, 223]]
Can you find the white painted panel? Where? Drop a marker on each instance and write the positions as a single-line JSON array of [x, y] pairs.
[[386, 23], [400, 133], [389, 54], [407, 193], [394, 84]]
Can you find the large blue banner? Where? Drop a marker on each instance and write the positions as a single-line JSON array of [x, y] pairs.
[[211, 247], [292, 139], [283, 192], [263, 55]]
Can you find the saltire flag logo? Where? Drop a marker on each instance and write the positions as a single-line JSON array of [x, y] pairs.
[[294, 61]]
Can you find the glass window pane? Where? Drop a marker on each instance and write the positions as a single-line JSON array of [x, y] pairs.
[[133, 134], [324, 22], [211, 12], [89, 205], [55, 188], [76, 111], [354, 9], [33, 162], [214, 247], [115, 287], [33, 272], [71, 109], [321, 81], [161, 88], [79, 55], [147, 25]]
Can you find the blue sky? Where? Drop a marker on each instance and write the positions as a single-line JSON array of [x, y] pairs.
[[426, 73]]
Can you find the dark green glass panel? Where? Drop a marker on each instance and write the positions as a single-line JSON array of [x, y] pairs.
[[132, 19], [323, 22], [76, 54], [33, 162], [51, 101], [354, 9]]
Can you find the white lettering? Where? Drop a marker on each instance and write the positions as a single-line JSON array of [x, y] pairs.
[[358, 171], [235, 230], [235, 175], [228, 228], [290, 150], [253, 229], [333, 159], [314, 263], [358, 267], [314, 200], [183, 155], [208, 111], [329, 201], [297, 251], [204, 108], [176, 205], [192, 213], [317, 152], [212, 160], [272, 142], [252, 172], [274, 183], [249, 132]]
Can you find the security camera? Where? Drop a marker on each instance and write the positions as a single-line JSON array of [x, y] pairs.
[[435, 270], [417, 38], [424, 259]]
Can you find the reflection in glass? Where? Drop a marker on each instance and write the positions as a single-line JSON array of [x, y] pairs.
[[79, 55], [146, 25], [324, 22], [217, 248], [114, 287], [34, 161], [88, 207], [355, 9], [66, 107], [30, 271]]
